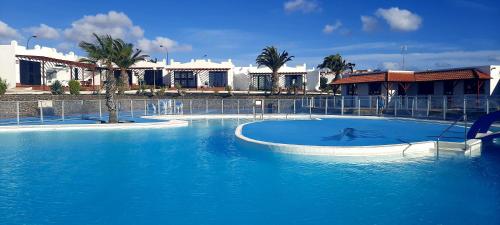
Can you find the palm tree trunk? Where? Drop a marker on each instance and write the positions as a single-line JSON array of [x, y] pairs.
[[110, 95], [275, 82], [124, 78]]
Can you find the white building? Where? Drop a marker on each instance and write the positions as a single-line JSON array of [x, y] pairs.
[[199, 74], [259, 78], [39, 67], [481, 80]]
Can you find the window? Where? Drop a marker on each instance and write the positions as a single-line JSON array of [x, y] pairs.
[[217, 79], [186, 79], [352, 89], [153, 77], [75, 74], [262, 82], [291, 80], [30, 73], [374, 88], [473, 87], [426, 88], [448, 87]]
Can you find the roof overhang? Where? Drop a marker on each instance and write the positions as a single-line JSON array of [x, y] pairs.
[[56, 61]]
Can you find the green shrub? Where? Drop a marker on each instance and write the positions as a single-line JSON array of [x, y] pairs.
[[229, 90], [3, 86], [57, 88], [74, 87], [161, 91], [179, 89]]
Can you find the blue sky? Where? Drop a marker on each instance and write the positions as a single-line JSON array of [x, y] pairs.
[[438, 34]]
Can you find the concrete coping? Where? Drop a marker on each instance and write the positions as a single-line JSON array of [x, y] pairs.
[[117, 126], [415, 149]]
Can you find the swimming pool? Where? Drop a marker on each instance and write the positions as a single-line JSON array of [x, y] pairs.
[[201, 174]]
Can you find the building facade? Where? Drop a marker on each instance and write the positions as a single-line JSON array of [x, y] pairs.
[[481, 80]]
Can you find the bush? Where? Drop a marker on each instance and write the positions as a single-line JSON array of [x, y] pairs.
[[57, 88], [74, 87], [161, 91], [3, 86], [229, 90], [179, 89]]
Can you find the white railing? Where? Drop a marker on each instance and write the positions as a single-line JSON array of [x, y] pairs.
[[428, 107]]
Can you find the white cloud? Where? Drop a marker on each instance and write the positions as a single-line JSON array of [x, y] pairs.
[[389, 66], [7, 33], [116, 24], [153, 46], [305, 6], [44, 32], [329, 28], [400, 19], [428, 60], [370, 23]]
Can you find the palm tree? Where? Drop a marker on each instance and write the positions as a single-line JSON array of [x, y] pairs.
[[336, 65], [271, 58], [125, 58], [102, 51]]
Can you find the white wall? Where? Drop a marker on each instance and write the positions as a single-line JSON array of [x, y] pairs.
[[8, 64]]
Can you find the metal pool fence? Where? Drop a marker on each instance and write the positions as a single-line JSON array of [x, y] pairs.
[[424, 107]]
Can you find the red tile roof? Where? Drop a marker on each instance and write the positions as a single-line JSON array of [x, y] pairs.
[[395, 76], [460, 74]]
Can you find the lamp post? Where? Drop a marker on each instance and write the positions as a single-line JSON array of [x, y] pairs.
[[166, 49], [28, 42]]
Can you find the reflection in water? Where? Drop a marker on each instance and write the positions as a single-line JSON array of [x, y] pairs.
[[350, 134]]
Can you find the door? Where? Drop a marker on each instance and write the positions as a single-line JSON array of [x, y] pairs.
[[30, 73], [263, 82]]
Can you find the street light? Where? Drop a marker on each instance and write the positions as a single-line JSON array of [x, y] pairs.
[[161, 46], [28, 42]]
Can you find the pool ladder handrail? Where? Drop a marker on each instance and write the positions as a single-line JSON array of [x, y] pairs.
[[464, 118]]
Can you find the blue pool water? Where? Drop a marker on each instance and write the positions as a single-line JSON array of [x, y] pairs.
[[349, 132], [201, 174]]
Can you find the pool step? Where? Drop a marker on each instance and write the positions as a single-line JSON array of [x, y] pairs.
[[459, 148]]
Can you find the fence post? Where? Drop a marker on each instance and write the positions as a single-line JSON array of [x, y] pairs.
[[444, 107], [359, 106], [191, 106], [370, 103], [334, 101], [413, 107], [222, 106], [310, 108], [342, 106], [487, 105], [206, 106], [238, 105], [294, 102], [118, 110], [465, 106], [428, 105], [158, 109], [100, 109], [17, 111], [395, 107], [81, 109], [326, 106], [41, 111], [132, 108], [278, 106], [62, 110], [376, 106], [145, 107], [416, 103]]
